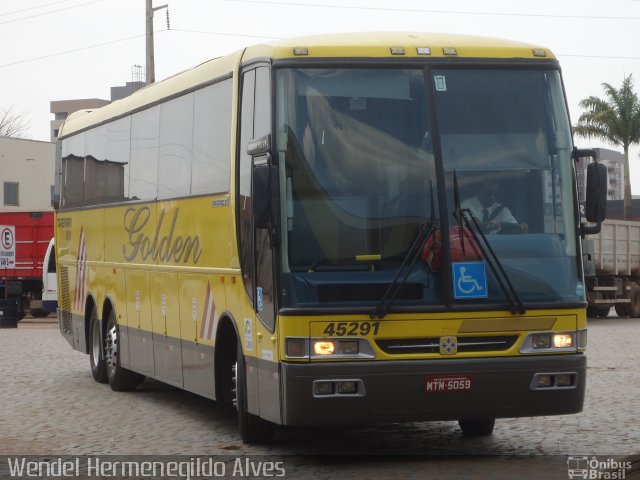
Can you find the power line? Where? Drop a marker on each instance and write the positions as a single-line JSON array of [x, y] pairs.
[[34, 8], [444, 12], [42, 57], [50, 12], [225, 34]]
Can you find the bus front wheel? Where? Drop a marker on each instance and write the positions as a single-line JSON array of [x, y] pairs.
[[477, 427], [253, 429], [96, 352], [120, 379]]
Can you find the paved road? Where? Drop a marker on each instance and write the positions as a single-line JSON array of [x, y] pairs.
[[49, 404]]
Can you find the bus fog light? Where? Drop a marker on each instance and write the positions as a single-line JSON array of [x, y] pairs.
[[324, 388], [564, 380], [296, 347], [544, 381], [348, 348], [563, 340], [350, 387], [541, 341], [323, 347]]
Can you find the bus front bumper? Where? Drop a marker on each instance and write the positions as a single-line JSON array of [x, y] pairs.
[[411, 390]]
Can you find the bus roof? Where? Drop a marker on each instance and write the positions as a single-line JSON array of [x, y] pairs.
[[347, 45]]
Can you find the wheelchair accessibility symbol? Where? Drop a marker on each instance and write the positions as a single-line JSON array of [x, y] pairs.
[[469, 280]]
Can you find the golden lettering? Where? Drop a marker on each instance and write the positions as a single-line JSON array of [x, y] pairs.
[[164, 248]]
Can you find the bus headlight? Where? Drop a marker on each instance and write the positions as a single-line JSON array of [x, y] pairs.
[[344, 348], [324, 347], [297, 347], [541, 341], [549, 342], [562, 340]]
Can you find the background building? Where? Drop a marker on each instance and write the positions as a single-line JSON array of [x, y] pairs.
[[26, 174], [63, 108]]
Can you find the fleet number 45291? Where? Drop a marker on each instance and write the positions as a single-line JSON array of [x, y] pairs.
[[341, 329]]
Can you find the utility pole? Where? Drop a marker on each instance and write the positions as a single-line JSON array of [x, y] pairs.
[[151, 66]]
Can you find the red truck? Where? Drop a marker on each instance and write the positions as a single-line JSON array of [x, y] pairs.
[[24, 237]]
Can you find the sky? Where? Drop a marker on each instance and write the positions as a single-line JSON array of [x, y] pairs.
[[68, 49]]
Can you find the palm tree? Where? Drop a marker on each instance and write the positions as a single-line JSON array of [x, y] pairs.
[[616, 120]]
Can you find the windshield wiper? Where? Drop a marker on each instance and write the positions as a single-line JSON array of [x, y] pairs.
[[466, 218], [425, 231]]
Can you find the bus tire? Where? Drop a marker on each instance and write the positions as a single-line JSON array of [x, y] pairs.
[[96, 349], [120, 379], [252, 428], [38, 313], [477, 427]]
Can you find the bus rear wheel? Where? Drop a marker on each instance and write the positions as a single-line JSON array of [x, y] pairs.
[[477, 427], [253, 429], [96, 352], [120, 379]]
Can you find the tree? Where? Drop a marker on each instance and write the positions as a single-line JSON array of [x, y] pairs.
[[616, 120], [13, 124]]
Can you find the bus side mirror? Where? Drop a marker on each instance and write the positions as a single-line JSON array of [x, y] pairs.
[[263, 196], [596, 193], [263, 183]]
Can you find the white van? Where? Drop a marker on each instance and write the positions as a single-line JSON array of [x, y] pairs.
[[49, 280]]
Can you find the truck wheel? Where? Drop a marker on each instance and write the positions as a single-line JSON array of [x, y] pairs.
[[592, 311], [96, 352], [38, 313], [476, 428], [634, 306], [603, 312], [120, 379], [253, 429], [622, 309]]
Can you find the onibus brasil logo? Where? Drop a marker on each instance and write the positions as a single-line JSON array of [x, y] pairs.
[[594, 468]]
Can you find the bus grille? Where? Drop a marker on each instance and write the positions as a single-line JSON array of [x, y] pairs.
[[65, 300], [432, 344]]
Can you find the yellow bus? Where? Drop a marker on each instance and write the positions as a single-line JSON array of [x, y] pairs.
[[265, 229]]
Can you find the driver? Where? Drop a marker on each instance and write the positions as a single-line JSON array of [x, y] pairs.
[[491, 215]]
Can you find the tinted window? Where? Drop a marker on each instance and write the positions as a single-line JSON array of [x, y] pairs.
[[73, 171], [211, 139], [118, 147], [143, 172], [176, 140]]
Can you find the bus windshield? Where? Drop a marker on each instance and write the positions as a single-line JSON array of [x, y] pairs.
[[358, 157]]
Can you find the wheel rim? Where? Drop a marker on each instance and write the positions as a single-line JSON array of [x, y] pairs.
[[111, 349], [96, 344]]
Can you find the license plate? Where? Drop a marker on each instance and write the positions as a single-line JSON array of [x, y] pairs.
[[448, 383]]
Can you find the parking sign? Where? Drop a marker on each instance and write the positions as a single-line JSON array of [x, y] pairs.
[[7, 246]]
